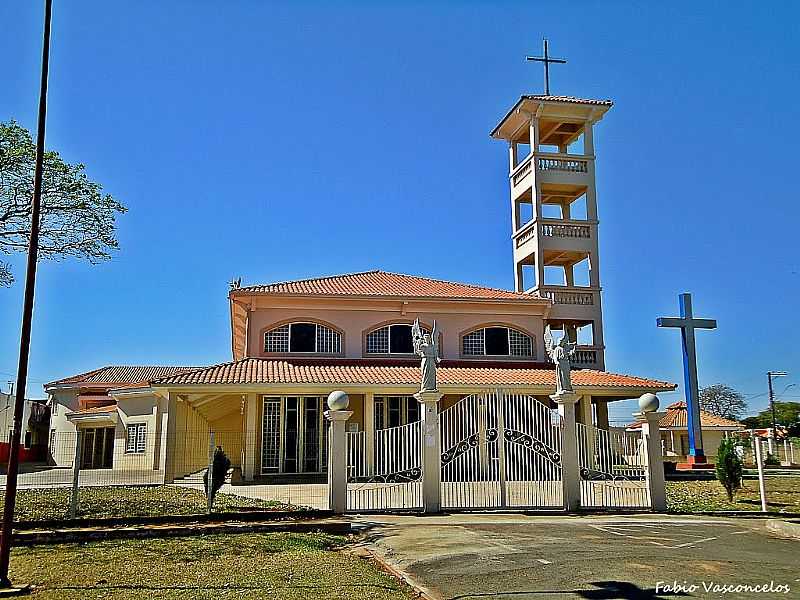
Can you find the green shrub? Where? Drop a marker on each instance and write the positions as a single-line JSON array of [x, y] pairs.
[[772, 460], [219, 469], [729, 467]]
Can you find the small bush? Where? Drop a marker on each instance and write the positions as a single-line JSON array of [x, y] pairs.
[[729, 467], [219, 469], [771, 460]]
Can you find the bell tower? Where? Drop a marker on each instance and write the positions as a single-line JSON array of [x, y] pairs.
[[554, 212]]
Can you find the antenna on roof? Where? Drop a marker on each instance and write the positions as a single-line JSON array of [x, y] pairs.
[[235, 284]]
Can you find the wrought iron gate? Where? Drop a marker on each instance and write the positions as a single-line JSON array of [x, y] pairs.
[[613, 468], [384, 471], [501, 450]]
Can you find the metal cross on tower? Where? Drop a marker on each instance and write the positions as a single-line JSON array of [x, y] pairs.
[[546, 60], [687, 324]]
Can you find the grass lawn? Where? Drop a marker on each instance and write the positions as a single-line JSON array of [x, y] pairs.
[[302, 566], [783, 495], [42, 504]]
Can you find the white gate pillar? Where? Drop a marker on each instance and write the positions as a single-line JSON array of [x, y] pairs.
[[337, 450], [570, 470], [651, 438], [431, 452]]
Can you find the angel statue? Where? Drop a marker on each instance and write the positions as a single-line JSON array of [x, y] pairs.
[[560, 354], [427, 348]]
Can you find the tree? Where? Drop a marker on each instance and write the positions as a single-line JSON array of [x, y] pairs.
[[722, 401], [77, 219], [729, 467], [786, 414]]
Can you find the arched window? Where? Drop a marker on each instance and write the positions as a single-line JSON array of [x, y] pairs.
[[497, 341], [391, 339], [303, 337]]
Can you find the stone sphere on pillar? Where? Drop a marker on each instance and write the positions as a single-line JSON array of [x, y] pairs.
[[338, 400], [648, 403]]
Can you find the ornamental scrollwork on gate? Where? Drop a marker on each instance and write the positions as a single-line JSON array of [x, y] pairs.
[[518, 437], [407, 476], [588, 474], [464, 445]]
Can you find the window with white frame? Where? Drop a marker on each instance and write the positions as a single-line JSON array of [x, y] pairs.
[[136, 441], [394, 411], [391, 339], [303, 337], [497, 341]]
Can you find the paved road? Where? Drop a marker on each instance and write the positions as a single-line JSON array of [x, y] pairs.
[[468, 557]]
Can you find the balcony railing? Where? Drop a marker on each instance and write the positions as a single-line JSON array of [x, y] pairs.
[[568, 165], [566, 230], [521, 171], [586, 356], [568, 296]]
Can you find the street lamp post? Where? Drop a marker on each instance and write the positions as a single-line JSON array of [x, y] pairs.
[[27, 311], [770, 375]]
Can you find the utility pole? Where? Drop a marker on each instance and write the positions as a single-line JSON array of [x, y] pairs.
[[770, 375], [27, 311]]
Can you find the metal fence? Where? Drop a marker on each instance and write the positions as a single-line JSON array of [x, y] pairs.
[[128, 471]]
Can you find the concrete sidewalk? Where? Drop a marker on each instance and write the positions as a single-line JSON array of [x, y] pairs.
[[472, 556]]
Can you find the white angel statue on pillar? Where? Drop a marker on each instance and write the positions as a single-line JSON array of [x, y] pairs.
[[560, 354], [426, 347]]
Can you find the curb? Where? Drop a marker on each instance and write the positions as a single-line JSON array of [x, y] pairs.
[[221, 517], [786, 529], [420, 591], [66, 536]]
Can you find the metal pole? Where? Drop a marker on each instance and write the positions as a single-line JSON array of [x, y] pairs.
[[27, 311], [546, 70], [76, 469], [210, 482], [760, 464], [772, 405]]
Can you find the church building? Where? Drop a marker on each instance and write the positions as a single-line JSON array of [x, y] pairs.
[[294, 342]]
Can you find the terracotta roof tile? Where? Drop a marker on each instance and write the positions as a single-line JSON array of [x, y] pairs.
[[676, 416], [270, 371], [385, 284], [95, 410], [120, 374], [570, 99]]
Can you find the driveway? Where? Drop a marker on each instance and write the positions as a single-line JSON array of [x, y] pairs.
[[468, 557]]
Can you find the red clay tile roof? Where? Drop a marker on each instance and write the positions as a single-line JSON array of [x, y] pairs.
[[385, 284], [270, 371], [119, 374], [676, 416], [570, 99], [95, 410]]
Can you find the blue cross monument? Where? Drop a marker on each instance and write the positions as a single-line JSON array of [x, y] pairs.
[[687, 324]]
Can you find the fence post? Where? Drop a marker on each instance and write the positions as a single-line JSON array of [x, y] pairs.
[[337, 414], [76, 467], [651, 438], [786, 462], [431, 451], [760, 464], [570, 469], [210, 472]]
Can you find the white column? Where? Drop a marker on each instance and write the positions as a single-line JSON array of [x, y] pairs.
[[251, 431], [533, 132], [164, 442], [369, 431], [431, 452], [337, 459], [651, 438], [570, 469]]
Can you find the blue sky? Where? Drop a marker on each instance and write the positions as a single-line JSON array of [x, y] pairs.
[[285, 140]]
